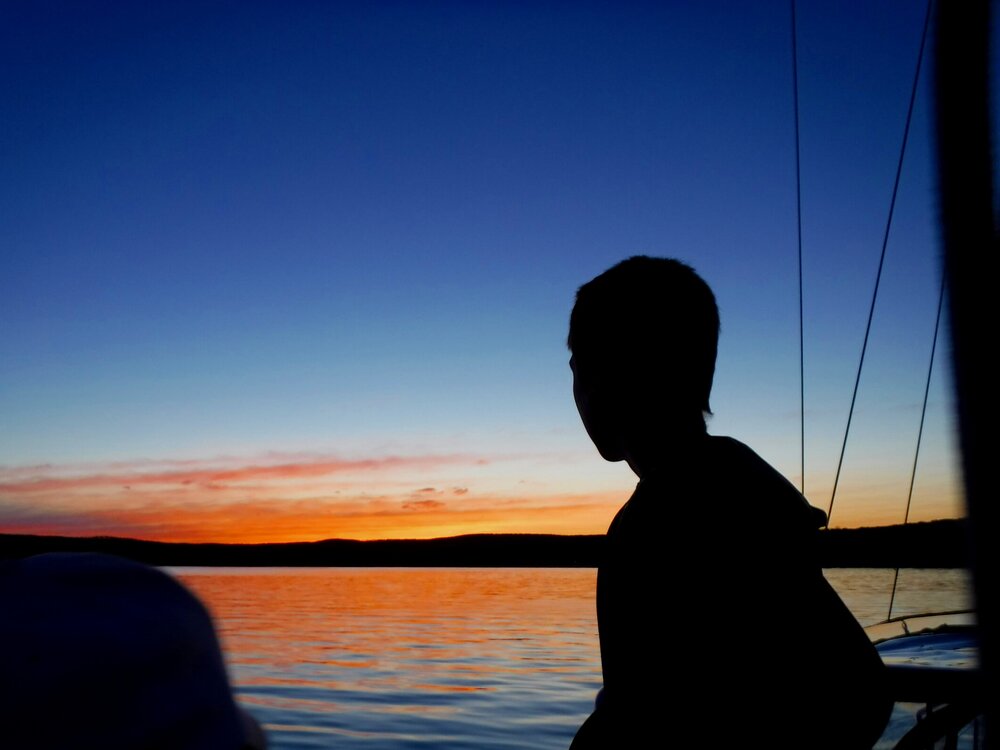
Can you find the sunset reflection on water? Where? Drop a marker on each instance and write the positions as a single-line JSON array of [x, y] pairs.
[[390, 657]]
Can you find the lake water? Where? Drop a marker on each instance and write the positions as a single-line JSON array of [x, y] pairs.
[[391, 658]]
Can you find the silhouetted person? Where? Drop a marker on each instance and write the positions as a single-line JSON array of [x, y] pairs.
[[100, 653], [717, 627]]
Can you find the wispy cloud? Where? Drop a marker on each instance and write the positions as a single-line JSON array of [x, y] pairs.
[[423, 505], [49, 478], [280, 497]]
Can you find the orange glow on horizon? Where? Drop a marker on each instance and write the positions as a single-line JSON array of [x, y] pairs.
[[284, 498], [302, 521]]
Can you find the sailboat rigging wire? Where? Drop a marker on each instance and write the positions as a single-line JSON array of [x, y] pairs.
[[881, 262], [920, 431], [798, 217]]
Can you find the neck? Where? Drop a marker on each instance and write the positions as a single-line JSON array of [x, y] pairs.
[[662, 450]]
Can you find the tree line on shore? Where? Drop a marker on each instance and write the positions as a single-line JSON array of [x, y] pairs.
[[932, 544]]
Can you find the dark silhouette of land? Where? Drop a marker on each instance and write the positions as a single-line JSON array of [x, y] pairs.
[[934, 544]]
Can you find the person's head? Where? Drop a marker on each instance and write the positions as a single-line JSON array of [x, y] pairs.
[[643, 337], [101, 652]]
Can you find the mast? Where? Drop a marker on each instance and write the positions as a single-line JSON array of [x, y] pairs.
[[969, 239]]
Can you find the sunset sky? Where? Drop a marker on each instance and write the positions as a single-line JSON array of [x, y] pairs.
[[293, 271]]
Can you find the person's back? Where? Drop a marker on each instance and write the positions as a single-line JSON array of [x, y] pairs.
[[716, 624]]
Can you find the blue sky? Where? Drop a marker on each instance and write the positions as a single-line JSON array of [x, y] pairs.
[[235, 231]]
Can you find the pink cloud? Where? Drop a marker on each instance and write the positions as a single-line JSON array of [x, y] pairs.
[[423, 505], [47, 478], [283, 497]]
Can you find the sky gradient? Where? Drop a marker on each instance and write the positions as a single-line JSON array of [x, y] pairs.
[[297, 271]]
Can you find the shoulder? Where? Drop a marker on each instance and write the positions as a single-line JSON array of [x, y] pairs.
[[724, 448], [765, 492]]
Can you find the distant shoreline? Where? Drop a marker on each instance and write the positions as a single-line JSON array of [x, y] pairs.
[[932, 544]]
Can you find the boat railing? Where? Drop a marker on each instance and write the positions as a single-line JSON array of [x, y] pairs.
[[934, 678]]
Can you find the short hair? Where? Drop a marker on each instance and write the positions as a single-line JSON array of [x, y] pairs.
[[646, 309]]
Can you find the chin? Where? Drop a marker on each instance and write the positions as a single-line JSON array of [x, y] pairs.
[[610, 455]]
